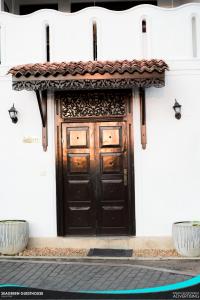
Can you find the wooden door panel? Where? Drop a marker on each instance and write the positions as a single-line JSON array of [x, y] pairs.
[[78, 186], [113, 190], [113, 220], [110, 136], [78, 163], [79, 190], [114, 215], [111, 163], [112, 212], [79, 221], [78, 137], [79, 217]]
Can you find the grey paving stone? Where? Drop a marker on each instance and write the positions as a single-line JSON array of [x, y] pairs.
[[65, 277]]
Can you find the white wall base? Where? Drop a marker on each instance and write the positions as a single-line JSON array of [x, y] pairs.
[[122, 242]]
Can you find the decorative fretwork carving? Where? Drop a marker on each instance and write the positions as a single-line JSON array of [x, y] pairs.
[[88, 84], [92, 104]]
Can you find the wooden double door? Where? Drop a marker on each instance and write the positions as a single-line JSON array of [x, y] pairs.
[[96, 178]]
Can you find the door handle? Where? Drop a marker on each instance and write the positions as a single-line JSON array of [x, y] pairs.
[[125, 177]]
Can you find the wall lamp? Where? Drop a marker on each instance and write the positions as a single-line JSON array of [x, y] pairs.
[[13, 114], [177, 109]]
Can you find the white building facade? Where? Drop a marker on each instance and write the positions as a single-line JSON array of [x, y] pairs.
[[166, 173]]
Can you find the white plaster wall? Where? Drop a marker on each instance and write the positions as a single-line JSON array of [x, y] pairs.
[[166, 174], [27, 173]]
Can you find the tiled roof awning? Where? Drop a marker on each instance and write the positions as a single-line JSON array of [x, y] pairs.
[[89, 75]]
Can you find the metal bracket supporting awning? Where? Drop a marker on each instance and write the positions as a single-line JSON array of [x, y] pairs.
[[143, 129], [42, 104]]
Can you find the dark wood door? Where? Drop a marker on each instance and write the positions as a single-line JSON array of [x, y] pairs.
[[95, 178]]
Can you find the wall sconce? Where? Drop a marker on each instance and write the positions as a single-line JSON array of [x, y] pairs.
[[13, 114], [177, 109]]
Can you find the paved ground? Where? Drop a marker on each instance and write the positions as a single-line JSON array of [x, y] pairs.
[[187, 266], [76, 276]]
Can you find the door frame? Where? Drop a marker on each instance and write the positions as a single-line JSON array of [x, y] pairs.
[[59, 171]]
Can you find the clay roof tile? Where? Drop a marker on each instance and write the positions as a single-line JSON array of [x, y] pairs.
[[92, 67]]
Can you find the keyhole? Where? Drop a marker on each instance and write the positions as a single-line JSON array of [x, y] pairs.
[[110, 137], [111, 163], [77, 137]]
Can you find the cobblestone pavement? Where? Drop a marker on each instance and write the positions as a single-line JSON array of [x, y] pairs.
[[76, 276]]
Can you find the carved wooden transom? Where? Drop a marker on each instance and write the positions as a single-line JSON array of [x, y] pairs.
[[82, 104]]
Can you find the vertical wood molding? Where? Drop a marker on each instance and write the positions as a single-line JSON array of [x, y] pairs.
[[44, 128], [42, 103], [143, 118], [59, 170]]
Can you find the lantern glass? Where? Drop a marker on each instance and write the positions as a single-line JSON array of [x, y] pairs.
[[177, 109], [13, 114]]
